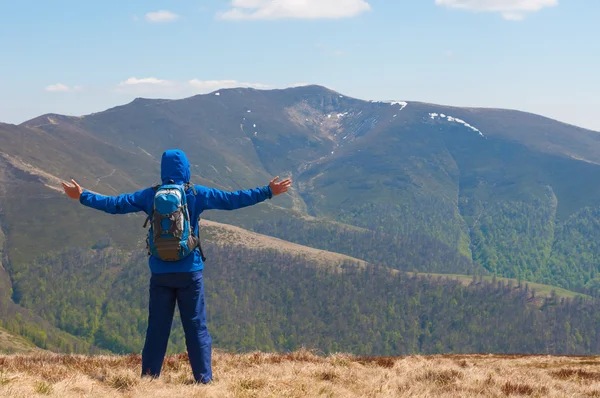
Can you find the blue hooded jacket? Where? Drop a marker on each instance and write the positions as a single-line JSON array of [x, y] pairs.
[[176, 167]]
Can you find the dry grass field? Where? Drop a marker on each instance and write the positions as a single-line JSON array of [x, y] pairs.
[[304, 374]]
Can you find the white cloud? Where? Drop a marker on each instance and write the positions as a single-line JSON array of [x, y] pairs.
[[211, 85], [161, 16], [148, 80], [297, 9], [57, 87], [512, 10], [148, 86]]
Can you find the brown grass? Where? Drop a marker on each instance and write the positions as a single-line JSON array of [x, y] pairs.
[[582, 374], [304, 374]]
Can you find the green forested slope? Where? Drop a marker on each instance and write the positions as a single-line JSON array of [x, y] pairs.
[[270, 300]]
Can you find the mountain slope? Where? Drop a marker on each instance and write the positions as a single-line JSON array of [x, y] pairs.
[[533, 131], [21, 328], [28, 189], [11, 343], [227, 235], [100, 295], [410, 186], [499, 187], [276, 300], [269, 294]]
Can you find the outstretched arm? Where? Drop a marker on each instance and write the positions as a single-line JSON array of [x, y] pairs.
[[122, 204], [223, 200]]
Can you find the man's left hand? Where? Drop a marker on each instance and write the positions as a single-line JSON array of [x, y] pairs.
[[279, 187]]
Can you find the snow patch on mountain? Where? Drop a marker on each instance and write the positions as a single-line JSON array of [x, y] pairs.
[[401, 103], [456, 120]]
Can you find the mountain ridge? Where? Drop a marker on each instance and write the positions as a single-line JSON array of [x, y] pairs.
[[430, 167], [400, 185], [158, 101]]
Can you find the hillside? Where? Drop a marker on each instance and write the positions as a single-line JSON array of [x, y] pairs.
[[541, 291], [11, 343], [304, 374], [415, 187], [515, 193], [260, 299], [21, 329], [274, 300], [226, 235]]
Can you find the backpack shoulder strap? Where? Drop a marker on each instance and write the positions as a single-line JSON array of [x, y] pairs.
[[149, 218], [191, 186]]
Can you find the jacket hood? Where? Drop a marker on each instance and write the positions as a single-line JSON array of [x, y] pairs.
[[174, 166]]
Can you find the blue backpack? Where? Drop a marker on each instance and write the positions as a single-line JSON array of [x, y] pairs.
[[171, 234]]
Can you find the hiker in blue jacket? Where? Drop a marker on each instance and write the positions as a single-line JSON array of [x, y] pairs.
[[180, 280]]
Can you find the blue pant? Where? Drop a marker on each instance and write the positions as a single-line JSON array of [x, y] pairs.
[[187, 289]]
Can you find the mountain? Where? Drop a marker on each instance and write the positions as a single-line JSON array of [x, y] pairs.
[[405, 185], [503, 188]]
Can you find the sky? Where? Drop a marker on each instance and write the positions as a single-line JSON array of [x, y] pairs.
[[76, 57]]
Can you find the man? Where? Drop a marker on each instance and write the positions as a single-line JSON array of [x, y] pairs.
[[180, 280]]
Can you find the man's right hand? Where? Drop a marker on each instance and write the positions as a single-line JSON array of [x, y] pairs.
[[73, 192]]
